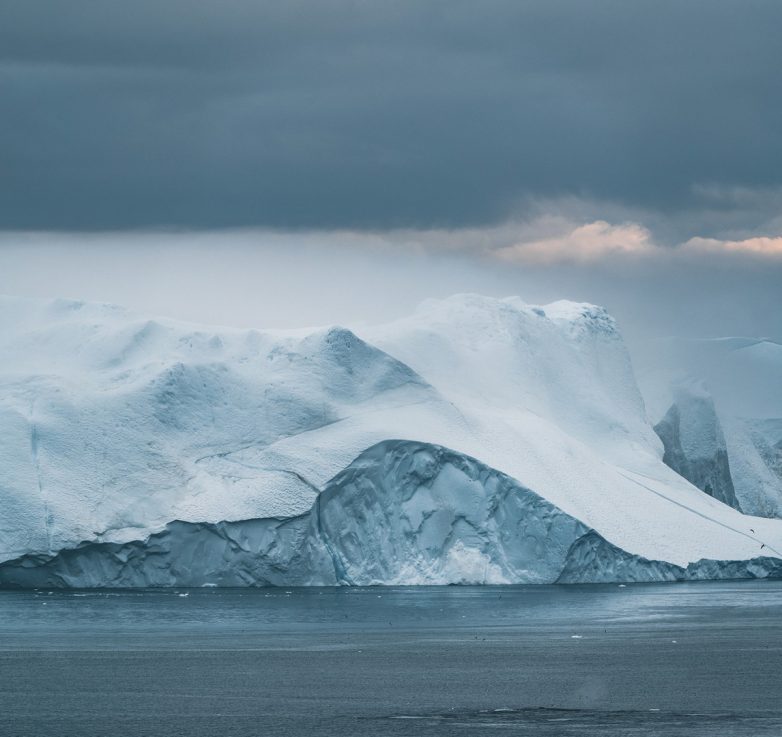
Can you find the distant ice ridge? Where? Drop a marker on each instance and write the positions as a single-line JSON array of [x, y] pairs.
[[478, 440], [727, 392]]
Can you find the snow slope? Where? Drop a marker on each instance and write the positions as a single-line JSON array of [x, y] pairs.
[[115, 426]]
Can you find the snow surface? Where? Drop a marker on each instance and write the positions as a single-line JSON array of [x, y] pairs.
[[114, 425]]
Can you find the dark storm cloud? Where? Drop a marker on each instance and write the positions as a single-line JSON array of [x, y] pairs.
[[354, 114]]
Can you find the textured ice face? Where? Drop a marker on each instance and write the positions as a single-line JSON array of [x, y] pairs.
[[401, 513], [407, 513]]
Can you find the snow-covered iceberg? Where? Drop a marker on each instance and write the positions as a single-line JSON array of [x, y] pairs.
[[478, 440]]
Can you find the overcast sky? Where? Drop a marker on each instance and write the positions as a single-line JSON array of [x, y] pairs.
[[601, 148]]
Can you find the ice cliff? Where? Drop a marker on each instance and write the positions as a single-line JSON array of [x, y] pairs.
[[695, 445], [478, 440]]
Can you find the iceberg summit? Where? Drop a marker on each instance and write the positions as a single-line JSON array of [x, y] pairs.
[[478, 440]]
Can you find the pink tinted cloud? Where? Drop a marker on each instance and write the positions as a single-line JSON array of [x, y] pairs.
[[584, 243], [759, 246]]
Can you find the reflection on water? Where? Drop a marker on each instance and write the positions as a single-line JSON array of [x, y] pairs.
[[578, 722], [438, 607]]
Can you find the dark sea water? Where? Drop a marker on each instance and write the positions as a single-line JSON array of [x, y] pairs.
[[665, 659]]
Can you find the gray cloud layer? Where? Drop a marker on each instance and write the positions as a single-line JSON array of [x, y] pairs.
[[405, 114]]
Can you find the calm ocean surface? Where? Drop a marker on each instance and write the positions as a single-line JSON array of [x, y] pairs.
[[662, 659]]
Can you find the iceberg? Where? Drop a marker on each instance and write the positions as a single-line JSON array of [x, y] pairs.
[[478, 440]]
